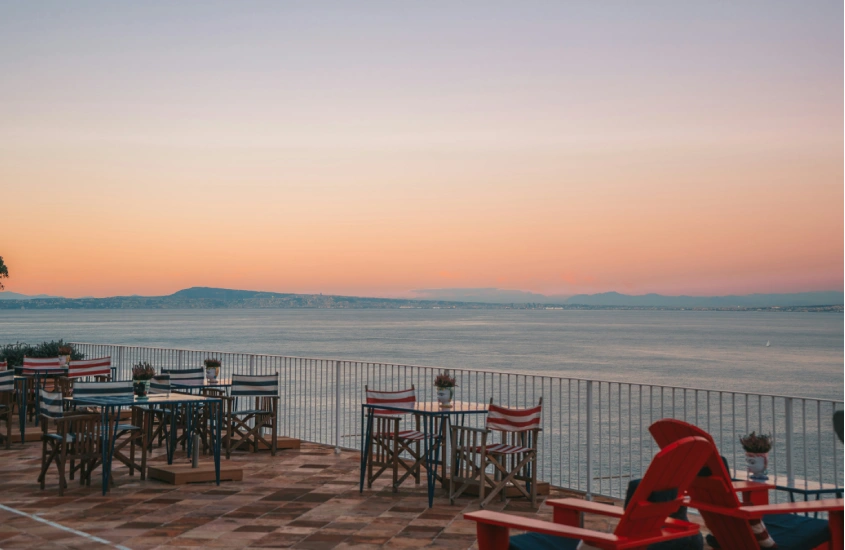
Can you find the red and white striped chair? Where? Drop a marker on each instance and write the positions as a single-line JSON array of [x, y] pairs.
[[99, 369], [388, 442], [513, 459], [40, 365]]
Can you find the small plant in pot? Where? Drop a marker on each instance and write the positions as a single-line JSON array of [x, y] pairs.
[[757, 449], [142, 373], [212, 369], [64, 355], [445, 385]]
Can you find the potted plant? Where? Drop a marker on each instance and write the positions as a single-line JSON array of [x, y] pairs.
[[445, 385], [757, 449], [142, 373], [212, 369], [64, 355]]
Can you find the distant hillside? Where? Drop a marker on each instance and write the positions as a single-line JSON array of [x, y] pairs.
[[211, 298], [6, 295], [750, 300], [486, 295]]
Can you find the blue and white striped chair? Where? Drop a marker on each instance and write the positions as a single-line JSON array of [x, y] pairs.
[[128, 435], [265, 391], [158, 425], [160, 384], [76, 439], [193, 377], [7, 402]]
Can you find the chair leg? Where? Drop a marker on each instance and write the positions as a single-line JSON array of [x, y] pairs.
[[395, 460], [132, 455], [274, 436]]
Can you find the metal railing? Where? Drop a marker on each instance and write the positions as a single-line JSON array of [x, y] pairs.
[[595, 433]]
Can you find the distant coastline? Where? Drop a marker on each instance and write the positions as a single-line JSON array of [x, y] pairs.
[[218, 298]]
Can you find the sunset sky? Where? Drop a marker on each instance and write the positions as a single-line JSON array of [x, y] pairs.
[[374, 148]]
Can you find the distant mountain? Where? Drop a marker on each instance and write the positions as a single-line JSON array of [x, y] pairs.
[[485, 295], [750, 300], [6, 295], [478, 298]]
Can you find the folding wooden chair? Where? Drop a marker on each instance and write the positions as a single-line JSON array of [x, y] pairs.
[[263, 415], [158, 423], [732, 522], [203, 424], [513, 459], [131, 435], [644, 522], [7, 402], [388, 442], [40, 370], [99, 369], [76, 440]]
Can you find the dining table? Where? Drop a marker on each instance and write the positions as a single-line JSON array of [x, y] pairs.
[[435, 420], [110, 407]]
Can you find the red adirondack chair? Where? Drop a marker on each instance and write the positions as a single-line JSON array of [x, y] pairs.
[[715, 497], [645, 521]]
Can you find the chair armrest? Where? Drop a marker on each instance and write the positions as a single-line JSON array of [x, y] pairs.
[[758, 511], [826, 505], [493, 530], [579, 505], [468, 429], [509, 521], [749, 486]]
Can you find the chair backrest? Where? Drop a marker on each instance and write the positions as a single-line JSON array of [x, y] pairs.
[[51, 403], [185, 376], [103, 389], [89, 367], [7, 381], [4, 365], [712, 485], [402, 398], [670, 472], [160, 384], [504, 419], [31, 365], [257, 385]]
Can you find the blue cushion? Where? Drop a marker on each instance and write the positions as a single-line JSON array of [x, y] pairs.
[[536, 541], [794, 532]]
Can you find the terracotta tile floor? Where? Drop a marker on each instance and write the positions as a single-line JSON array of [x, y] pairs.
[[300, 499]]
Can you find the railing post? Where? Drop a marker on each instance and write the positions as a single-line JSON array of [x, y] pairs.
[[589, 495], [337, 407], [790, 467], [179, 360], [251, 364]]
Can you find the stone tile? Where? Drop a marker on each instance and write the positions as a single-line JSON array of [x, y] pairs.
[[299, 499]]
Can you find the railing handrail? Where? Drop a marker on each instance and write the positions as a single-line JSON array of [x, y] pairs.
[[489, 371]]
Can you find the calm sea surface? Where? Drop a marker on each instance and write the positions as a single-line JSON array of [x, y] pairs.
[[720, 350]]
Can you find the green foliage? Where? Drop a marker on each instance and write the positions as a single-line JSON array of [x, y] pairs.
[[443, 380], [143, 371], [754, 443], [14, 353], [4, 272]]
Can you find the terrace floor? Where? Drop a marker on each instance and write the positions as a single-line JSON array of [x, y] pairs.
[[305, 498]]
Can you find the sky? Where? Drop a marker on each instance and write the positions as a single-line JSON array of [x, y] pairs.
[[373, 148]]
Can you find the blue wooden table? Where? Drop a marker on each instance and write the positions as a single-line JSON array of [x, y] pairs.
[[435, 420], [110, 409]]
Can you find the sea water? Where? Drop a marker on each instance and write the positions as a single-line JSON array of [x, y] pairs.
[[698, 349]]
